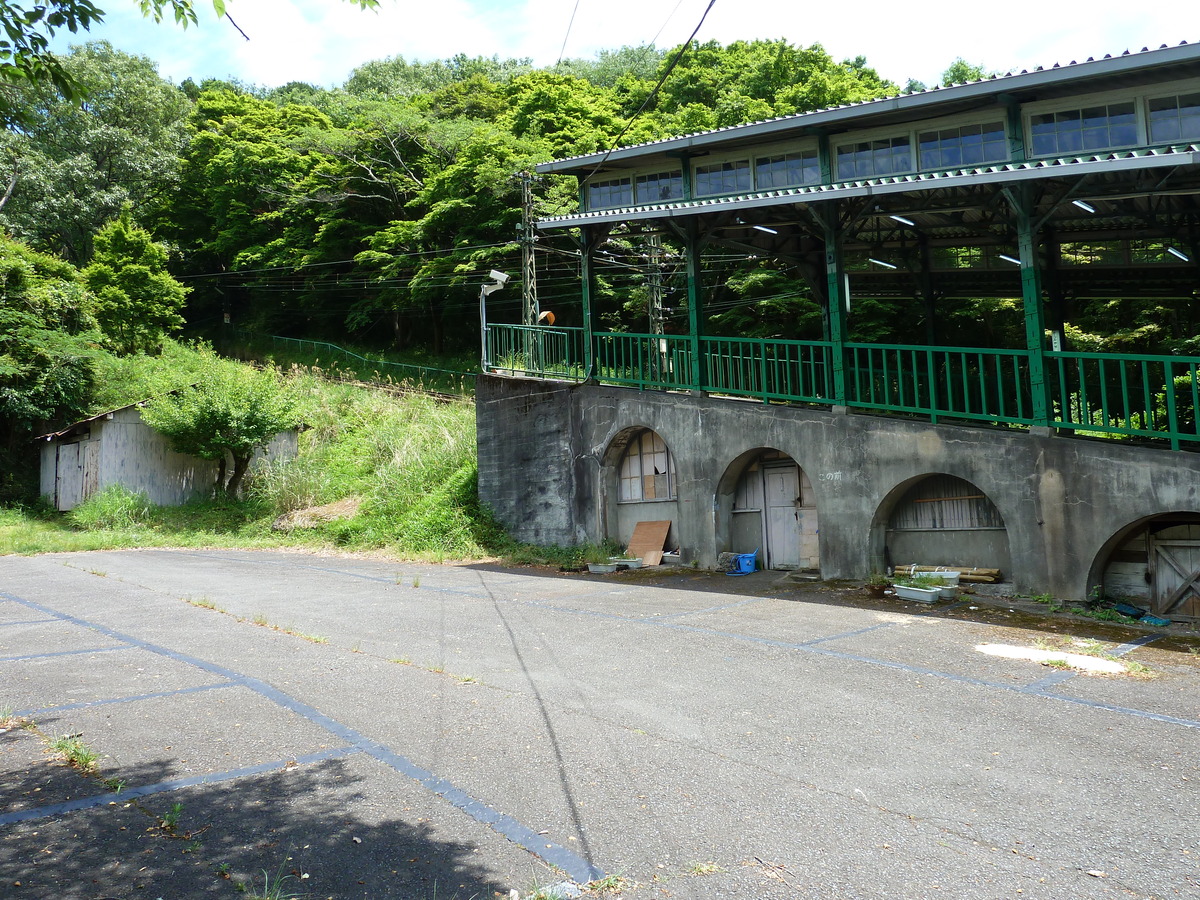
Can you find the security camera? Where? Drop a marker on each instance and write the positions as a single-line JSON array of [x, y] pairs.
[[499, 277]]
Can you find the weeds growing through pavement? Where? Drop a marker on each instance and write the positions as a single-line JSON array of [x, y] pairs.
[[76, 754]]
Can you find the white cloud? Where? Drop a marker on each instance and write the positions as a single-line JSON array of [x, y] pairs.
[[322, 41]]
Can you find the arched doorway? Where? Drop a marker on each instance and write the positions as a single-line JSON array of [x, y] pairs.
[[943, 520], [640, 485], [774, 509], [1156, 563]]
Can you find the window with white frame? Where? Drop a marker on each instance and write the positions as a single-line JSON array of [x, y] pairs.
[[659, 187], [787, 170], [1101, 127], [1175, 118], [647, 470], [874, 159], [609, 194], [723, 178], [966, 145]]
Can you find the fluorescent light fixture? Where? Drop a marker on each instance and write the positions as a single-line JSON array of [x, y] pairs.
[[1011, 259], [1179, 253], [1086, 207], [880, 262], [902, 220], [765, 228]]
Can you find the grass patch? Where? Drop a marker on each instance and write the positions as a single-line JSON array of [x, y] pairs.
[[408, 461], [76, 754], [608, 886]]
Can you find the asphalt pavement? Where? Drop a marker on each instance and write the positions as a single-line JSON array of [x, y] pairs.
[[343, 727]]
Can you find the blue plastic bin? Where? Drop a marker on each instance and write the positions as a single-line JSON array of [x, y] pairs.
[[744, 563]]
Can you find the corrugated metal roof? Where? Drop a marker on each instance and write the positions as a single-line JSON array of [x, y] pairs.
[[915, 103], [1116, 161]]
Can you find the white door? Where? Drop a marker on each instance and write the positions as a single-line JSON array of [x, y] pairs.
[[781, 495]]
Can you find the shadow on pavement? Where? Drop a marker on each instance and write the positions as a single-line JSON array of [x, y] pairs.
[[309, 831]]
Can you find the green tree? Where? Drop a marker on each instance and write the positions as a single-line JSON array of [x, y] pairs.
[[138, 303], [239, 206], [26, 29], [75, 166], [960, 72], [231, 411], [47, 345]]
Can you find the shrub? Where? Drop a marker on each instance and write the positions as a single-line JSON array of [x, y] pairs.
[[115, 507]]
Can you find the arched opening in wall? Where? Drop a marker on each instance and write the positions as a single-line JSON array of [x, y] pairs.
[[641, 486], [942, 520], [773, 510], [1155, 563]]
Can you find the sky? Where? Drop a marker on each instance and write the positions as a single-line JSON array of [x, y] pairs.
[[322, 41]]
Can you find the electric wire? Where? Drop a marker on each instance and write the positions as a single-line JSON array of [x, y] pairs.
[[683, 48], [563, 49]]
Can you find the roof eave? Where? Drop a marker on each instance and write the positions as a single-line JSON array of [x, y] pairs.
[[898, 184], [1125, 64]]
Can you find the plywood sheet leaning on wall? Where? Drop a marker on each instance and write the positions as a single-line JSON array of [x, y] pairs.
[[648, 541]]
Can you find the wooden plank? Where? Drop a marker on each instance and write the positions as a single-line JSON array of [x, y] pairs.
[[648, 541]]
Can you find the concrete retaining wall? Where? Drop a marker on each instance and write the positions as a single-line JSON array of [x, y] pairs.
[[548, 454]]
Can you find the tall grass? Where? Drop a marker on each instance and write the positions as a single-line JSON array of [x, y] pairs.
[[409, 459]]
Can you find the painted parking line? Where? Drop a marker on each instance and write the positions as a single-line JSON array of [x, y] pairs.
[[161, 787], [58, 653], [578, 868], [813, 647], [136, 698], [28, 622], [1036, 689]]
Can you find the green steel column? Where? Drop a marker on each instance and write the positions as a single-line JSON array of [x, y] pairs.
[[1031, 294], [1015, 127], [587, 242], [837, 299], [825, 159], [695, 313]]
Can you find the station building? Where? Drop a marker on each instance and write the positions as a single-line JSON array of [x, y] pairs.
[[1074, 472]]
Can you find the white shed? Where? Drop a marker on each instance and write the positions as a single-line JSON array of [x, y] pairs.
[[119, 448]]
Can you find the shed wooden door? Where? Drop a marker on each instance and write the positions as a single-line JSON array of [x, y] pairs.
[[1175, 571], [68, 476]]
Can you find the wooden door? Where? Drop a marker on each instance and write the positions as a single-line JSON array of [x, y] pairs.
[[68, 477], [1175, 571], [781, 496]]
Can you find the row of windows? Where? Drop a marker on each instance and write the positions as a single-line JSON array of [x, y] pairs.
[[1100, 127], [778, 171]]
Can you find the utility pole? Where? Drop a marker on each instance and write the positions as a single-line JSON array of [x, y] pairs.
[[529, 296], [654, 282]]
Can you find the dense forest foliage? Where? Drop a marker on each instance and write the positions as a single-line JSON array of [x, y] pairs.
[[369, 213]]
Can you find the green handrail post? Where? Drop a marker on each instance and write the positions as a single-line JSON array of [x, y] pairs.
[[1021, 201], [837, 298], [695, 319], [587, 243]]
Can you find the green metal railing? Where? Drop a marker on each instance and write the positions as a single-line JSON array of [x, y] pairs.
[[331, 356], [1139, 396], [644, 360], [953, 382], [772, 370], [1106, 395], [534, 350]]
